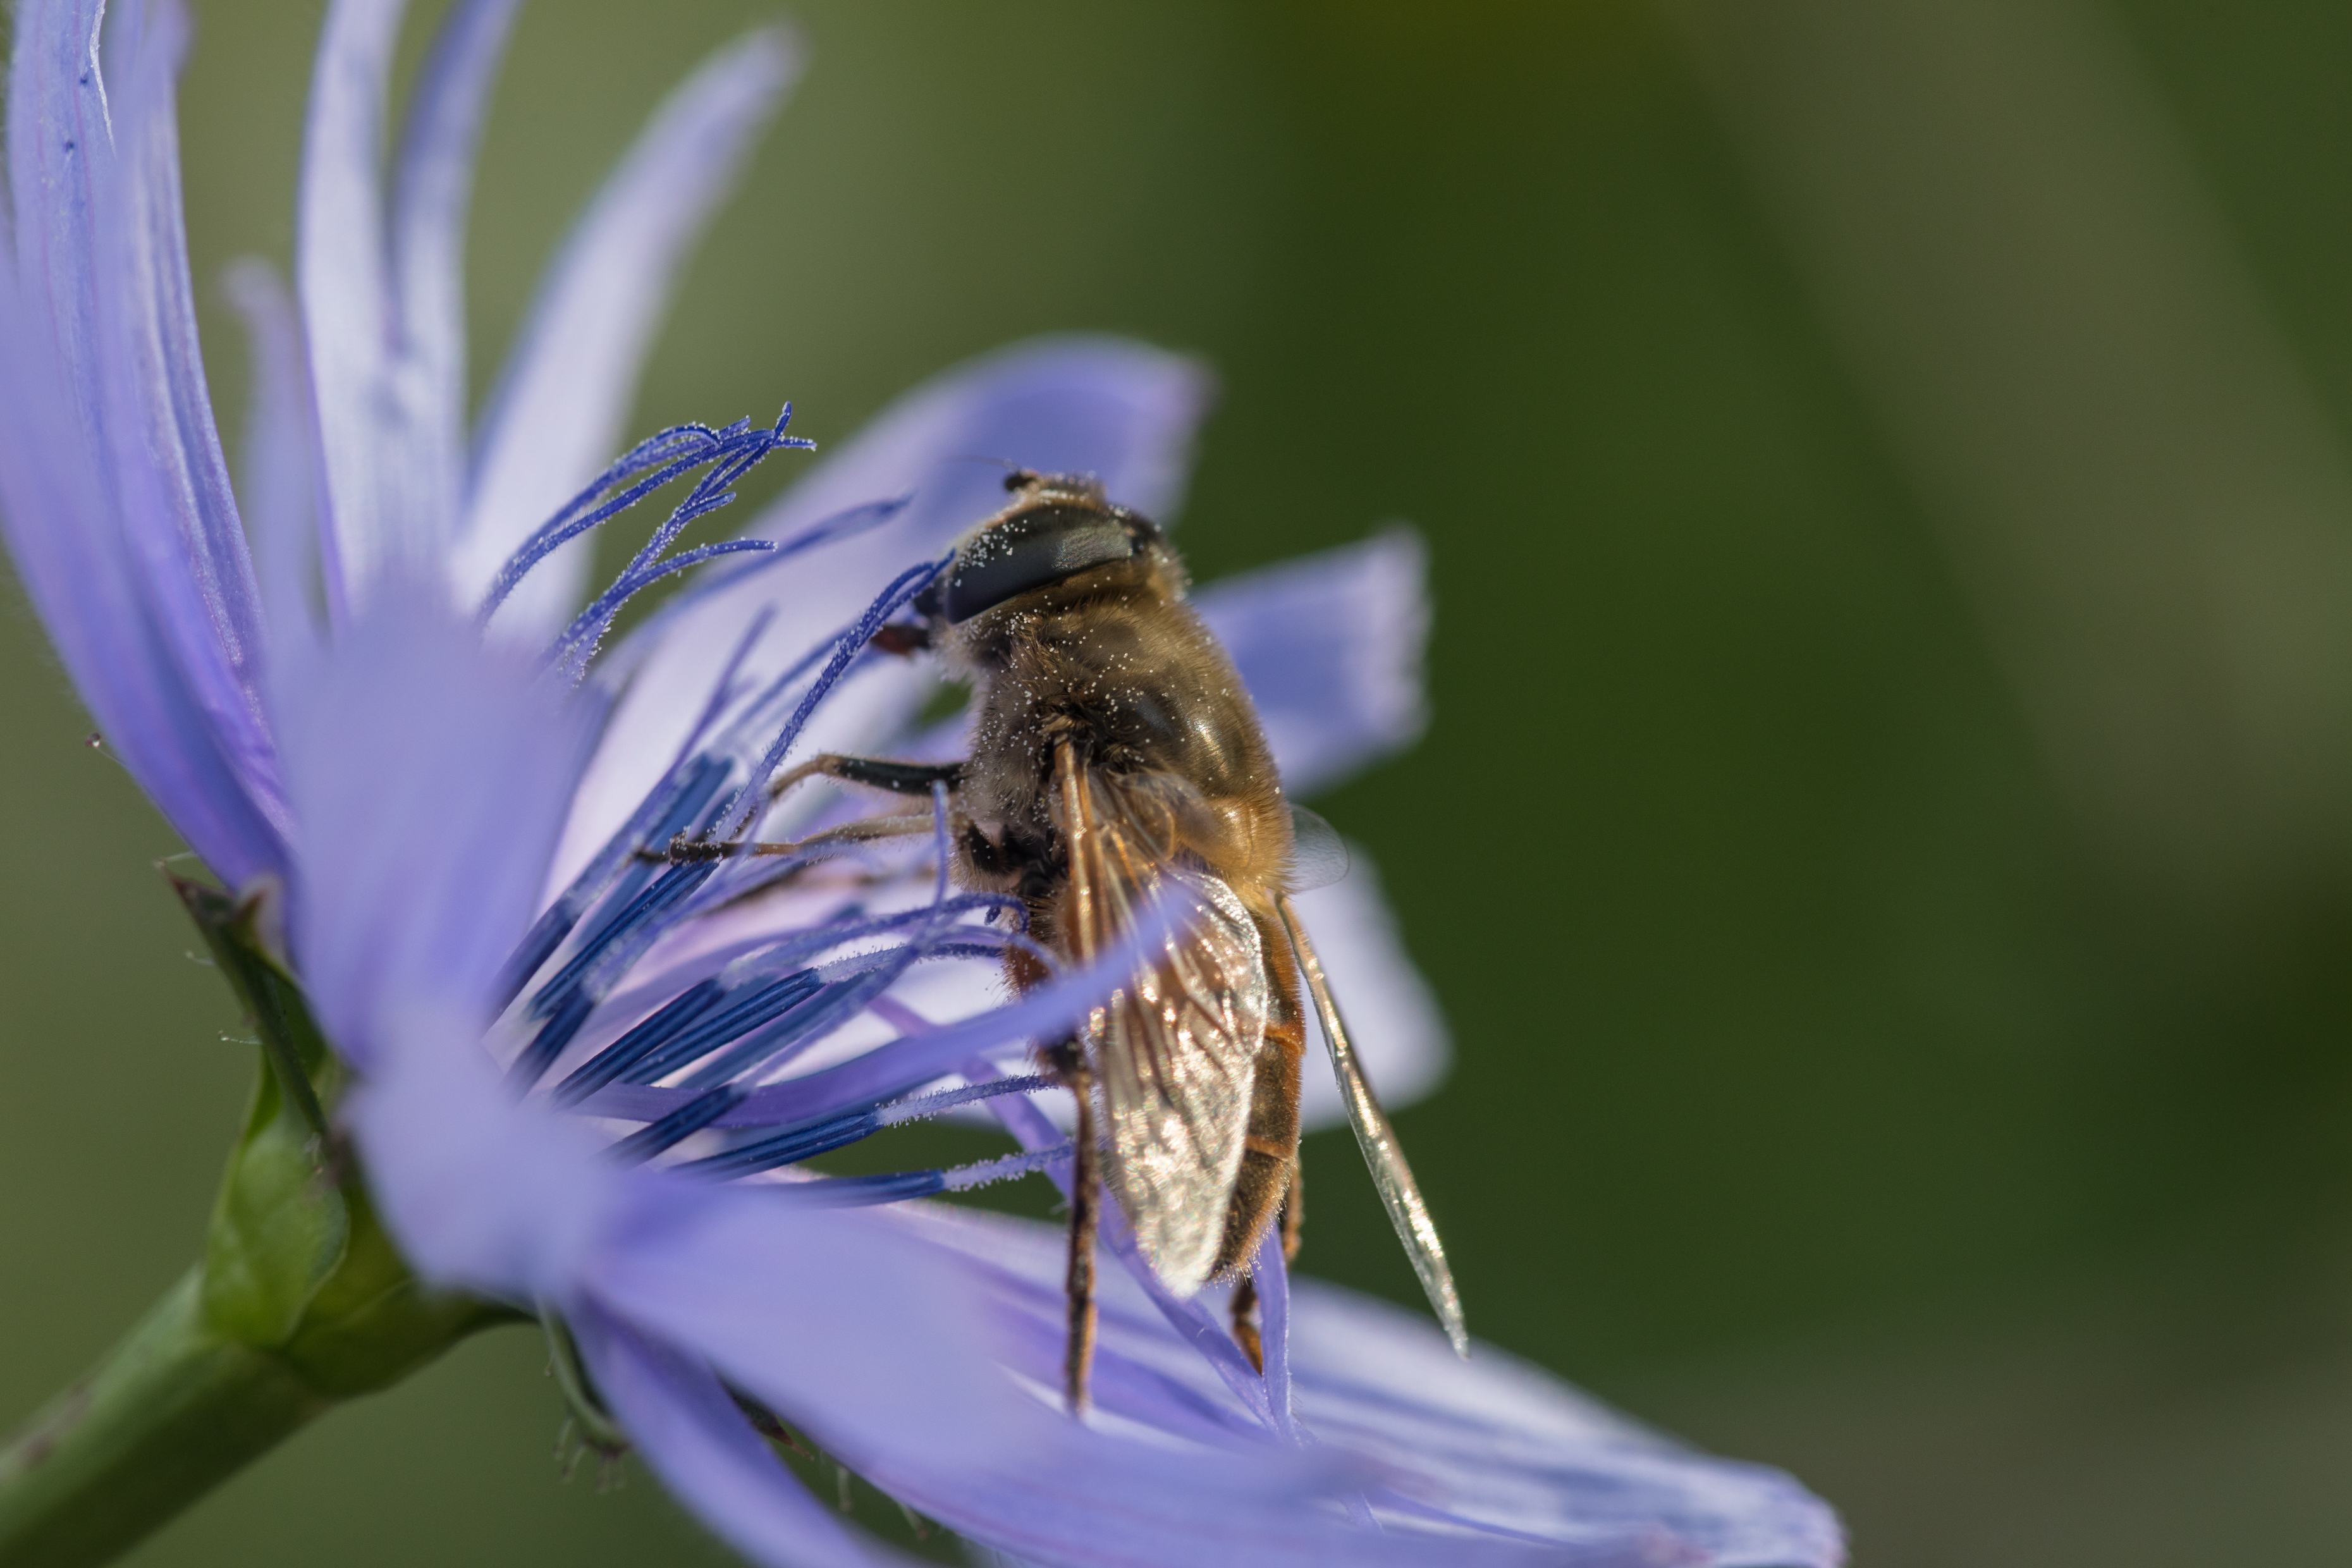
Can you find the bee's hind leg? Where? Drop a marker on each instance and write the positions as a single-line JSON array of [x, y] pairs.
[[1069, 1064], [1244, 1301]]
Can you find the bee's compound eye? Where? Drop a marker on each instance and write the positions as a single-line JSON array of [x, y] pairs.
[[1031, 550]]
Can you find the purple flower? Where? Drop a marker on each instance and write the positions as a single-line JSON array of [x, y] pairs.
[[588, 1078]]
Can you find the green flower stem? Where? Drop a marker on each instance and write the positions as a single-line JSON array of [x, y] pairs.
[[176, 1409], [301, 1301]]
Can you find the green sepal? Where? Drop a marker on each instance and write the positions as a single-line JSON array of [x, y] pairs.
[[280, 1223], [302, 1301], [296, 1261]]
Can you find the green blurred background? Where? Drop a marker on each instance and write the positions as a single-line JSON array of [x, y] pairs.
[[1883, 843]]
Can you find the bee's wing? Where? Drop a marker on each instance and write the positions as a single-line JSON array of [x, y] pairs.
[[1178, 1047], [1406, 1210]]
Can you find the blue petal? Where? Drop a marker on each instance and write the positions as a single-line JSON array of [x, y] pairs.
[[569, 383], [1330, 647], [390, 506], [1491, 1450], [118, 507], [683, 1421], [280, 473], [881, 1344], [431, 186], [423, 769]]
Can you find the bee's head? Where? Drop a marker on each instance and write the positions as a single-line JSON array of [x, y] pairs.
[[1058, 527]]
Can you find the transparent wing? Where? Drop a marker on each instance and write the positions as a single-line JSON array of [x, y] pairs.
[[1318, 856], [1176, 1050], [1406, 1210]]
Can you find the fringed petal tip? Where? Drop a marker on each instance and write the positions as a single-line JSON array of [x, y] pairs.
[[1489, 1454]]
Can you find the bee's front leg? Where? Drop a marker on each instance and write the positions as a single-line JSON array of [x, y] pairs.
[[899, 778]]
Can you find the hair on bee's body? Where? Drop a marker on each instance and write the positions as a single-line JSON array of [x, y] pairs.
[[1117, 767], [1110, 663]]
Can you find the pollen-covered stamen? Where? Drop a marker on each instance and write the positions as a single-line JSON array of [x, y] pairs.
[[579, 642], [747, 994], [665, 1048], [661, 458], [851, 995], [740, 451], [899, 1186], [810, 1139], [680, 798], [890, 1071], [851, 644]]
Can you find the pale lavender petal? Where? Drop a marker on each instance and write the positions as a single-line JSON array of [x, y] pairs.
[[556, 417], [1501, 1442], [280, 469], [482, 1193], [1104, 406], [1393, 1017], [57, 130], [1490, 1450], [116, 510], [423, 769], [157, 386], [432, 187], [682, 1420], [906, 1392], [1330, 647], [386, 505], [66, 540]]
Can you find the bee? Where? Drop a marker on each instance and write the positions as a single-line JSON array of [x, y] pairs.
[[1117, 765]]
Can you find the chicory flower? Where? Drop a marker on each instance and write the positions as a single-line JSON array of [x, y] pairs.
[[587, 1078]]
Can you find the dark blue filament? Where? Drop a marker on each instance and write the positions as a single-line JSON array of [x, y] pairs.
[[632, 1048], [852, 643], [660, 458], [671, 885], [862, 1190], [672, 808], [549, 1042], [810, 1139], [682, 1123], [664, 1052]]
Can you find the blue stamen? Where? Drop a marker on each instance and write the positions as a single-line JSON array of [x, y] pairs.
[[860, 1191], [668, 810], [902, 588], [681, 1124], [768, 1044], [548, 1044], [810, 1139], [787, 1148], [670, 885], [631, 1048], [898, 1187], [664, 1053], [668, 454]]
